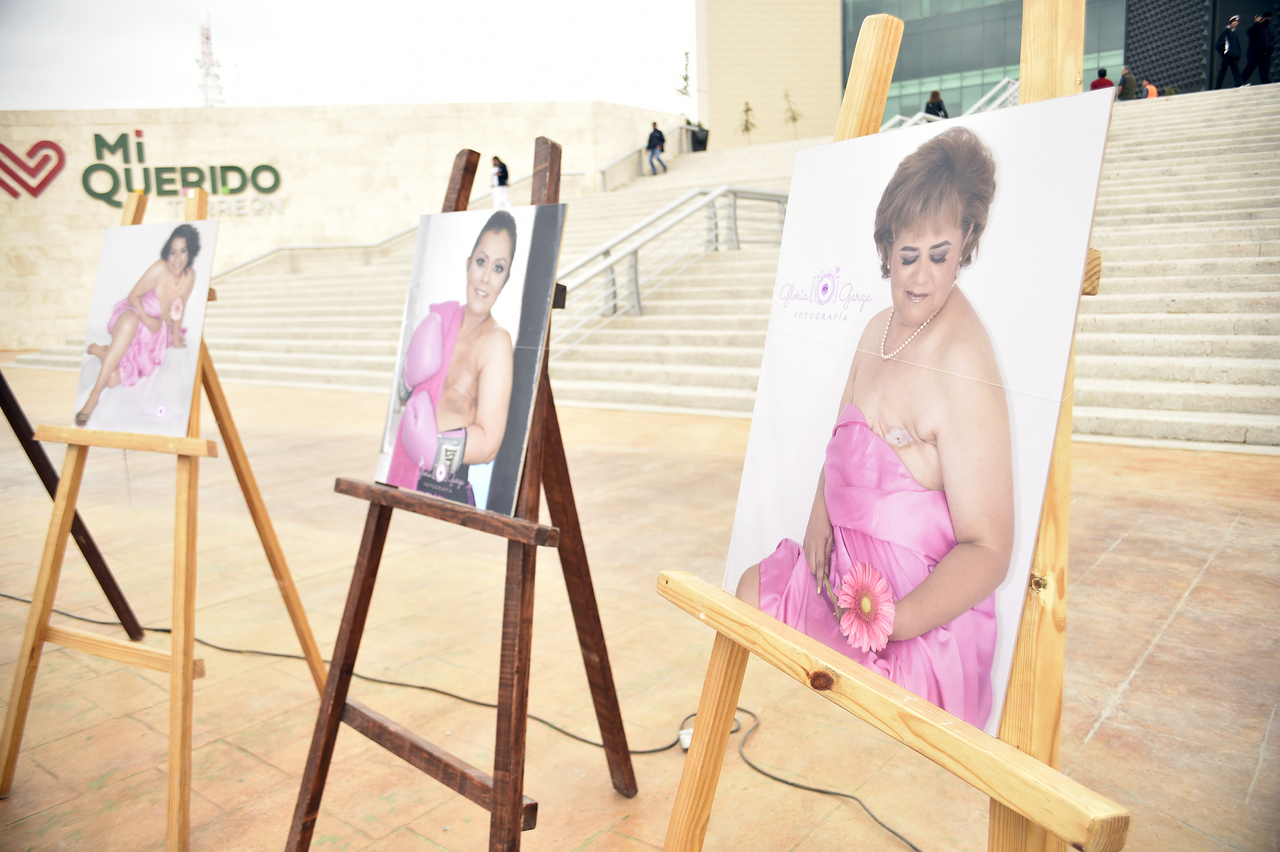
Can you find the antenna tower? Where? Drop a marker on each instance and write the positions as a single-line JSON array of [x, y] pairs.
[[210, 85]]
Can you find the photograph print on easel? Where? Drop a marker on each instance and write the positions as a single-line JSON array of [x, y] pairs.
[[913, 372], [145, 325], [470, 354]]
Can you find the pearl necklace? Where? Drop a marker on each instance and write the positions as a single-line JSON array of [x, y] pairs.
[[919, 329]]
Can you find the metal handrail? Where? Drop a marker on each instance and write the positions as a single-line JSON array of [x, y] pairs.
[[997, 98], [681, 132], [1001, 95], [585, 313]]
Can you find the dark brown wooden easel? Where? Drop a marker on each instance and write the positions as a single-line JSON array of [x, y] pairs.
[[79, 532], [545, 467]]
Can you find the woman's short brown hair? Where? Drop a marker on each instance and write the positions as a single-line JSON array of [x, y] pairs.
[[951, 178]]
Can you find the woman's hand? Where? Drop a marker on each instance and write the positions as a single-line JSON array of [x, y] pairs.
[[179, 339], [818, 537]]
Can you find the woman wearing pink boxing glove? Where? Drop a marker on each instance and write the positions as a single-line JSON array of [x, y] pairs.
[[457, 377]]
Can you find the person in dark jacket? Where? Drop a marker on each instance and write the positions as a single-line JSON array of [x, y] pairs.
[[1228, 47], [935, 106], [1128, 85], [1262, 43], [1102, 82], [501, 199], [656, 143]]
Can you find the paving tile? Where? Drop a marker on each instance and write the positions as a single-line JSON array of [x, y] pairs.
[[104, 755], [1181, 746]]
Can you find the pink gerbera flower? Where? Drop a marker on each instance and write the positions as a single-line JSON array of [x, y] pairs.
[[868, 604], [175, 310]]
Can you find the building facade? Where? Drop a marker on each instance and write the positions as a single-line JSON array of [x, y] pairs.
[[761, 52]]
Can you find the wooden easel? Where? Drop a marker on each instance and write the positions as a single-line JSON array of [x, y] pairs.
[[1033, 807], [545, 467], [180, 661]]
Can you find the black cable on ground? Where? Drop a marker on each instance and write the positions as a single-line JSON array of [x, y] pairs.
[[742, 744]]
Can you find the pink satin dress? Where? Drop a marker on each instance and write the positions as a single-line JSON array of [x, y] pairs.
[[403, 472], [882, 516], [147, 349]]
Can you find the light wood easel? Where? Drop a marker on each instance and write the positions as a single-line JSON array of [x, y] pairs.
[[180, 660], [545, 467], [1033, 807]]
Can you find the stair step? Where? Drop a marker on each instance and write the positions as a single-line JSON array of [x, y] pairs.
[[665, 375], [1177, 396], [1266, 347], [1180, 323], [679, 398], [1212, 427], [1207, 370], [1182, 303]]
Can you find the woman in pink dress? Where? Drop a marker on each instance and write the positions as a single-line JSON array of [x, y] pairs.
[[148, 321], [918, 478]]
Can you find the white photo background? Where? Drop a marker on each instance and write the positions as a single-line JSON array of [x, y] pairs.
[[159, 404], [1024, 283], [439, 274]]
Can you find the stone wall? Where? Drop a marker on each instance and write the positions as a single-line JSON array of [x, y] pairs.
[[347, 174]]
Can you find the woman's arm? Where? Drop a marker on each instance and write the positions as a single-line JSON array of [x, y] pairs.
[[175, 323], [975, 455], [493, 399], [818, 535], [146, 284]]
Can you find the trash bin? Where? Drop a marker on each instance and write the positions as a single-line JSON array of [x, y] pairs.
[[698, 139]]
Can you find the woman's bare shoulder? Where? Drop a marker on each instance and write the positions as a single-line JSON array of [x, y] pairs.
[[968, 350], [497, 341]]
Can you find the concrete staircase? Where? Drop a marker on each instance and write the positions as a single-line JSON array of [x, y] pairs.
[[1182, 345], [697, 348], [1183, 341]]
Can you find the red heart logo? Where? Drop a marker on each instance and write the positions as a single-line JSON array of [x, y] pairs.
[[7, 157]]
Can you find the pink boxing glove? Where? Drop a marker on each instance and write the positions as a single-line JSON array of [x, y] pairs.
[[426, 350], [418, 433]]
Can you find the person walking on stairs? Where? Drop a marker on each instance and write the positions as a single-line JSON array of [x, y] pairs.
[[501, 198], [1128, 85], [1229, 49], [1262, 43], [656, 144], [935, 106]]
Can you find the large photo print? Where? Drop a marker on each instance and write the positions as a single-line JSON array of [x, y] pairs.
[[145, 324], [470, 354], [913, 373]]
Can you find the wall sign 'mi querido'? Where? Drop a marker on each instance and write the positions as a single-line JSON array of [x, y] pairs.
[[107, 182]]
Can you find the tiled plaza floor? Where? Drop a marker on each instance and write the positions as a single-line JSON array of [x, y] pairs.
[[1172, 672]]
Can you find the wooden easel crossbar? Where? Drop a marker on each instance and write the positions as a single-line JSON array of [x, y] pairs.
[[180, 660], [1033, 806], [502, 792]]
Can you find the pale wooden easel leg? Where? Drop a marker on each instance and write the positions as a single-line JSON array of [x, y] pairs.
[[182, 639], [720, 690], [1052, 66], [261, 518], [55, 548]]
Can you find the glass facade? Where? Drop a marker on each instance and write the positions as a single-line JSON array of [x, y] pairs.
[[964, 47]]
